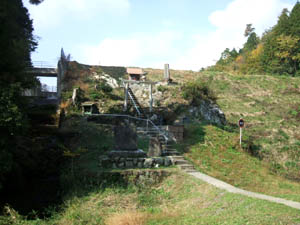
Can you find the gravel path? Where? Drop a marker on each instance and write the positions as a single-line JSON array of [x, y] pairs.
[[232, 189]]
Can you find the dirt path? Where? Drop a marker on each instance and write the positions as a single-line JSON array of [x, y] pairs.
[[232, 189]]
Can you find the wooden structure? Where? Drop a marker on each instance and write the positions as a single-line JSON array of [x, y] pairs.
[[135, 73]]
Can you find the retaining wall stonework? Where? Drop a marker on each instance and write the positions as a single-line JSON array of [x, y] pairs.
[[128, 163]]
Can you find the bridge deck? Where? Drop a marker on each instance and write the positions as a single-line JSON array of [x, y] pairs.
[[43, 72]]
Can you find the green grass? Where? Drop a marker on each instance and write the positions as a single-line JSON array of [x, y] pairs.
[[268, 162], [216, 152], [179, 199]]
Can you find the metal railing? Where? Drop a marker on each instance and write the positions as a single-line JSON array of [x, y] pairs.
[[42, 64], [134, 103], [132, 98], [164, 134]]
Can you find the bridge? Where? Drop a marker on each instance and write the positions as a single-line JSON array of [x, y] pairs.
[[45, 69]]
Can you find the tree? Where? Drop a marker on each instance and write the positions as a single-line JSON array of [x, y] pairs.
[[294, 20], [35, 2], [253, 39], [283, 25], [16, 44], [288, 51], [249, 30]]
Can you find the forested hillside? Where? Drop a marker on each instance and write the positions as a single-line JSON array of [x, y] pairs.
[[277, 51]]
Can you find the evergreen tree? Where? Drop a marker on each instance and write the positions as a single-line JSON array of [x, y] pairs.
[[294, 21], [16, 44], [283, 25]]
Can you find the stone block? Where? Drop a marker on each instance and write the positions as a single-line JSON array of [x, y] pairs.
[[121, 165], [155, 148], [167, 161], [129, 164], [159, 161], [125, 138], [148, 163]]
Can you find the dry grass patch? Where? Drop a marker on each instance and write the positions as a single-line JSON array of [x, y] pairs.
[[127, 218]]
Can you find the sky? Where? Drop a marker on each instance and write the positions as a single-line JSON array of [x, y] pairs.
[[186, 34]]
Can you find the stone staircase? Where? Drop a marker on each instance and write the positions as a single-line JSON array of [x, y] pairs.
[[167, 148], [183, 164], [136, 104]]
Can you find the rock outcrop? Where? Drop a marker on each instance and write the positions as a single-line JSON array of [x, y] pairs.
[[209, 111]]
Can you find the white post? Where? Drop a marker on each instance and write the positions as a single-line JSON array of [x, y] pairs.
[[126, 96], [150, 97], [241, 130], [147, 124]]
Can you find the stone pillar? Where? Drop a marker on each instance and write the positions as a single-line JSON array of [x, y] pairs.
[[62, 67], [125, 142], [155, 148], [167, 73]]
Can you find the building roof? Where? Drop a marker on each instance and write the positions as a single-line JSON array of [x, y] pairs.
[[137, 71]]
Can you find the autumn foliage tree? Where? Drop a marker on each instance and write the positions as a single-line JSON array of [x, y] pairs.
[[276, 52]]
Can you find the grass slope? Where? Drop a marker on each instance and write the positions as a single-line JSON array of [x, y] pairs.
[[179, 199], [216, 152]]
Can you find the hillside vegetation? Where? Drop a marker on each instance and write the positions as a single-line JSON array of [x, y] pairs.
[[179, 199], [275, 52]]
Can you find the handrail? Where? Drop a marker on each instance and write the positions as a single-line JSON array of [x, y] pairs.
[[42, 64], [136, 118], [134, 103], [132, 99]]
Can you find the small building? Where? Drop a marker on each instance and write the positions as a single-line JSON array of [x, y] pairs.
[[135, 73], [89, 108]]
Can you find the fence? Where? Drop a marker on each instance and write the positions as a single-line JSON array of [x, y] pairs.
[[43, 64]]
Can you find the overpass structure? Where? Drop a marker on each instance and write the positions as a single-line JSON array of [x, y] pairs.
[[44, 69]]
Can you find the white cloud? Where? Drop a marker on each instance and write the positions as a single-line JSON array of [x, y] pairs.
[[153, 50], [262, 14], [139, 50], [51, 13], [230, 24], [112, 52]]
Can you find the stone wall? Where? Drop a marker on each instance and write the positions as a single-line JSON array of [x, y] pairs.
[[177, 131], [144, 177], [127, 163]]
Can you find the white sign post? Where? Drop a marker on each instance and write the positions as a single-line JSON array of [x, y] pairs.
[[241, 125]]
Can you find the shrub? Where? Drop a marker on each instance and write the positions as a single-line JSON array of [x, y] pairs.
[[196, 91], [162, 88], [95, 95], [104, 87]]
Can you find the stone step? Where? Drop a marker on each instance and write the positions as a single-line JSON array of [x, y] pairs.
[[190, 171], [186, 167], [178, 157], [167, 146], [170, 153], [180, 162], [145, 129]]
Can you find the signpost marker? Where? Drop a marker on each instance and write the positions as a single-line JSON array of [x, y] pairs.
[[241, 125]]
